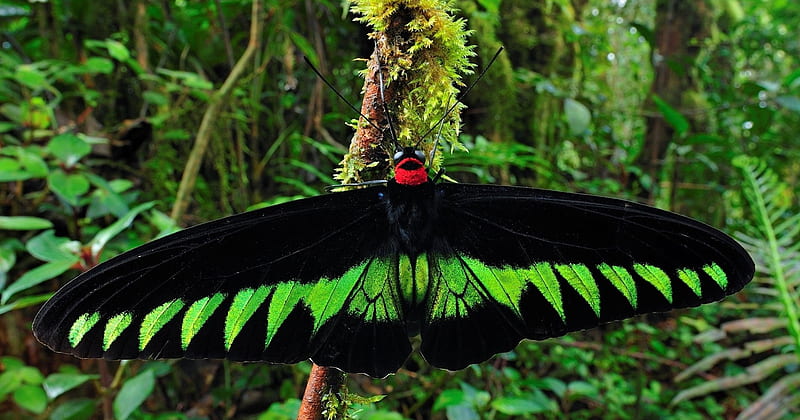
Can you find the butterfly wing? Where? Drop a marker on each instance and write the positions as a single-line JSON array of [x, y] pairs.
[[526, 263], [279, 284]]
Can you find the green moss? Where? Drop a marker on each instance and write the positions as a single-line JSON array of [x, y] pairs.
[[425, 54]]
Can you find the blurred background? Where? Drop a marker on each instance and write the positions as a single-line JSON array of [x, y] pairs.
[[690, 105]]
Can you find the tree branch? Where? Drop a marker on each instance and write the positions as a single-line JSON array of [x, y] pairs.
[[215, 106]]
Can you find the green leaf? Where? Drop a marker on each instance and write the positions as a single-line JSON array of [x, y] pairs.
[[77, 409], [100, 65], [46, 246], [448, 398], [519, 406], [24, 302], [36, 276], [133, 393], [24, 223], [31, 398], [30, 375], [155, 98], [672, 116], [68, 148], [31, 77], [59, 383], [32, 162], [286, 410], [12, 170], [69, 187], [117, 50], [578, 117], [101, 239]]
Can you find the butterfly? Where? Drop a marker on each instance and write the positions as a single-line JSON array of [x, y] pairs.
[[345, 279]]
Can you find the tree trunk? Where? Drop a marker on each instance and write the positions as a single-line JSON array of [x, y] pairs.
[[681, 26]]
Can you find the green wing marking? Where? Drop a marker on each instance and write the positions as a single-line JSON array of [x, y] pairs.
[[581, 279], [328, 297], [81, 326], [244, 305], [114, 328], [657, 277], [691, 279], [544, 278], [717, 274], [621, 278], [197, 315], [286, 297], [156, 319]]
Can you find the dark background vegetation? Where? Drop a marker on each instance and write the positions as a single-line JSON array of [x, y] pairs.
[[691, 105]]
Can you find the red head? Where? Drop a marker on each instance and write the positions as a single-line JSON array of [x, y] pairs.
[[409, 167]]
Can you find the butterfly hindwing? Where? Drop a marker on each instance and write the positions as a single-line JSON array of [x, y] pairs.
[[530, 263], [280, 284]]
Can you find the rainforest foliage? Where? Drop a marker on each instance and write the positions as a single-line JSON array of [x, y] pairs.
[[693, 106]]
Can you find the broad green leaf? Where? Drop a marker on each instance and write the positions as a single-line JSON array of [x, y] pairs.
[[30, 375], [24, 223], [672, 116], [32, 162], [36, 276], [155, 98], [133, 393], [59, 383], [70, 187], [448, 398], [578, 117], [30, 76], [46, 246], [77, 409], [117, 50], [99, 65], [519, 405], [101, 239], [462, 412], [12, 170], [31, 398], [286, 410], [68, 148]]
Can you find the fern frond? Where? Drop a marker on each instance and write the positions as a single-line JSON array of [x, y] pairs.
[[769, 200]]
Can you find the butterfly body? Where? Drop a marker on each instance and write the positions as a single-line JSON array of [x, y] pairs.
[[346, 278]]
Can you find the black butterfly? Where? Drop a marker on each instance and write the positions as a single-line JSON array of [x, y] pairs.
[[346, 278]]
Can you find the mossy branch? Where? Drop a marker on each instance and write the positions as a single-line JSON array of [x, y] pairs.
[[421, 52]]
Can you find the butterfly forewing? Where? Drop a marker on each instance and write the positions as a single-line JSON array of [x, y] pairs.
[[526, 263], [269, 285]]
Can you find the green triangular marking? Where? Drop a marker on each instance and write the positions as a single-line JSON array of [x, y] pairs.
[[504, 285], [622, 279], [327, 297], [657, 277], [154, 321], [244, 305], [544, 278], [691, 279], [81, 326], [582, 280], [114, 328], [717, 274], [197, 315], [284, 300]]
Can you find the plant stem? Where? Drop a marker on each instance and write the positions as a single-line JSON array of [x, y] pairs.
[[321, 381], [215, 106]]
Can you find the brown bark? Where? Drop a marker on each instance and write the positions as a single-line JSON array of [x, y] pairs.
[[680, 28], [321, 381]]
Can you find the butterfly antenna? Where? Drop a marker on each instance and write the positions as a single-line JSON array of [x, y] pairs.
[[392, 132], [438, 134], [336, 91], [463, 94]]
